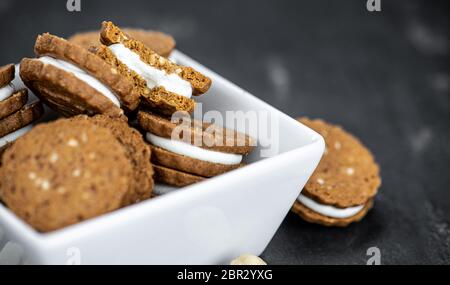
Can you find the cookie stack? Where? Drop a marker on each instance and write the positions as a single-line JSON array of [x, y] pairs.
[[200, 151], [167, 88], [163, 85], [16, 116], [71, 80], [343, 186], [69, 170]]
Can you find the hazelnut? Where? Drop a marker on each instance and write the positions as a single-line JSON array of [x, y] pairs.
[[248, 259]]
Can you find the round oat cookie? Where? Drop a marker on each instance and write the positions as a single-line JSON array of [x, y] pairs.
[[161, 43], [64, 172], [174, 177], [313, 217], [347, 174], [137, 151]]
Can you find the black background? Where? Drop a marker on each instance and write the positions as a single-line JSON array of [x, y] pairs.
[[384, 76]]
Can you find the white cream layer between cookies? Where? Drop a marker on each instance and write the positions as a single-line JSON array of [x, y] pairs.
[[14, 135], [83, 76], [192, 151], [153, 76], [6, 91], [329, 211]]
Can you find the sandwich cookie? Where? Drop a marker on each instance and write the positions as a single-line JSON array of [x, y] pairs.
[[136, 150], [72, 80], [203, 150], [342, 188], [64, 172], [16, 116], [161, 43], [165, 86]]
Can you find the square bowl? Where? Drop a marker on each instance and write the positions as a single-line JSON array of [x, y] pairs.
[[210, 222]]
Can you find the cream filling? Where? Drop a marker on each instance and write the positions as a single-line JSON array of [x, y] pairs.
[[14, 135], [192, 151], [153, 76], [329, 211], [83, 76], [6, 91]]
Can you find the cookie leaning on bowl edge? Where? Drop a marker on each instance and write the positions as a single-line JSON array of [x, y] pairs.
[[74, 81]]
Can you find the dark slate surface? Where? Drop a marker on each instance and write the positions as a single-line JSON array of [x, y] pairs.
[[383, 76]]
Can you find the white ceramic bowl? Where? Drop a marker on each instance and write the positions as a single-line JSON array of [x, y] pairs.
[[207, 223]]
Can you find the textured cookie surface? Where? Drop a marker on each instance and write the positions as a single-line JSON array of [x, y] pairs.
[[137, 151], [206, 135], [187, 164], [347, 175], [313, 217], [13, 103], [64, 92], [64, 172], [175, 177], [21, 118], [111, 34], [6, 74], [161, 43], [54, 46]]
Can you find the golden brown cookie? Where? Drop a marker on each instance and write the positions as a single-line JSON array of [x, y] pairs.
[[6, 74], [313, 217], [207, 135], [174, 177], [182, 167], [64, 92], [347, 177], [161, 43], [111, 34], [13, 103], [64, 172], [60, 48], [21, 118], [137, 151], [190, 165]]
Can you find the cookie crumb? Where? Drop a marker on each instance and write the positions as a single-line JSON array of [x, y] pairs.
[[72, 143], [337, 145], [76, 173], [54, 157], [84, 137], [350, 171], [45, 185], [320, 181], [32, 175]]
